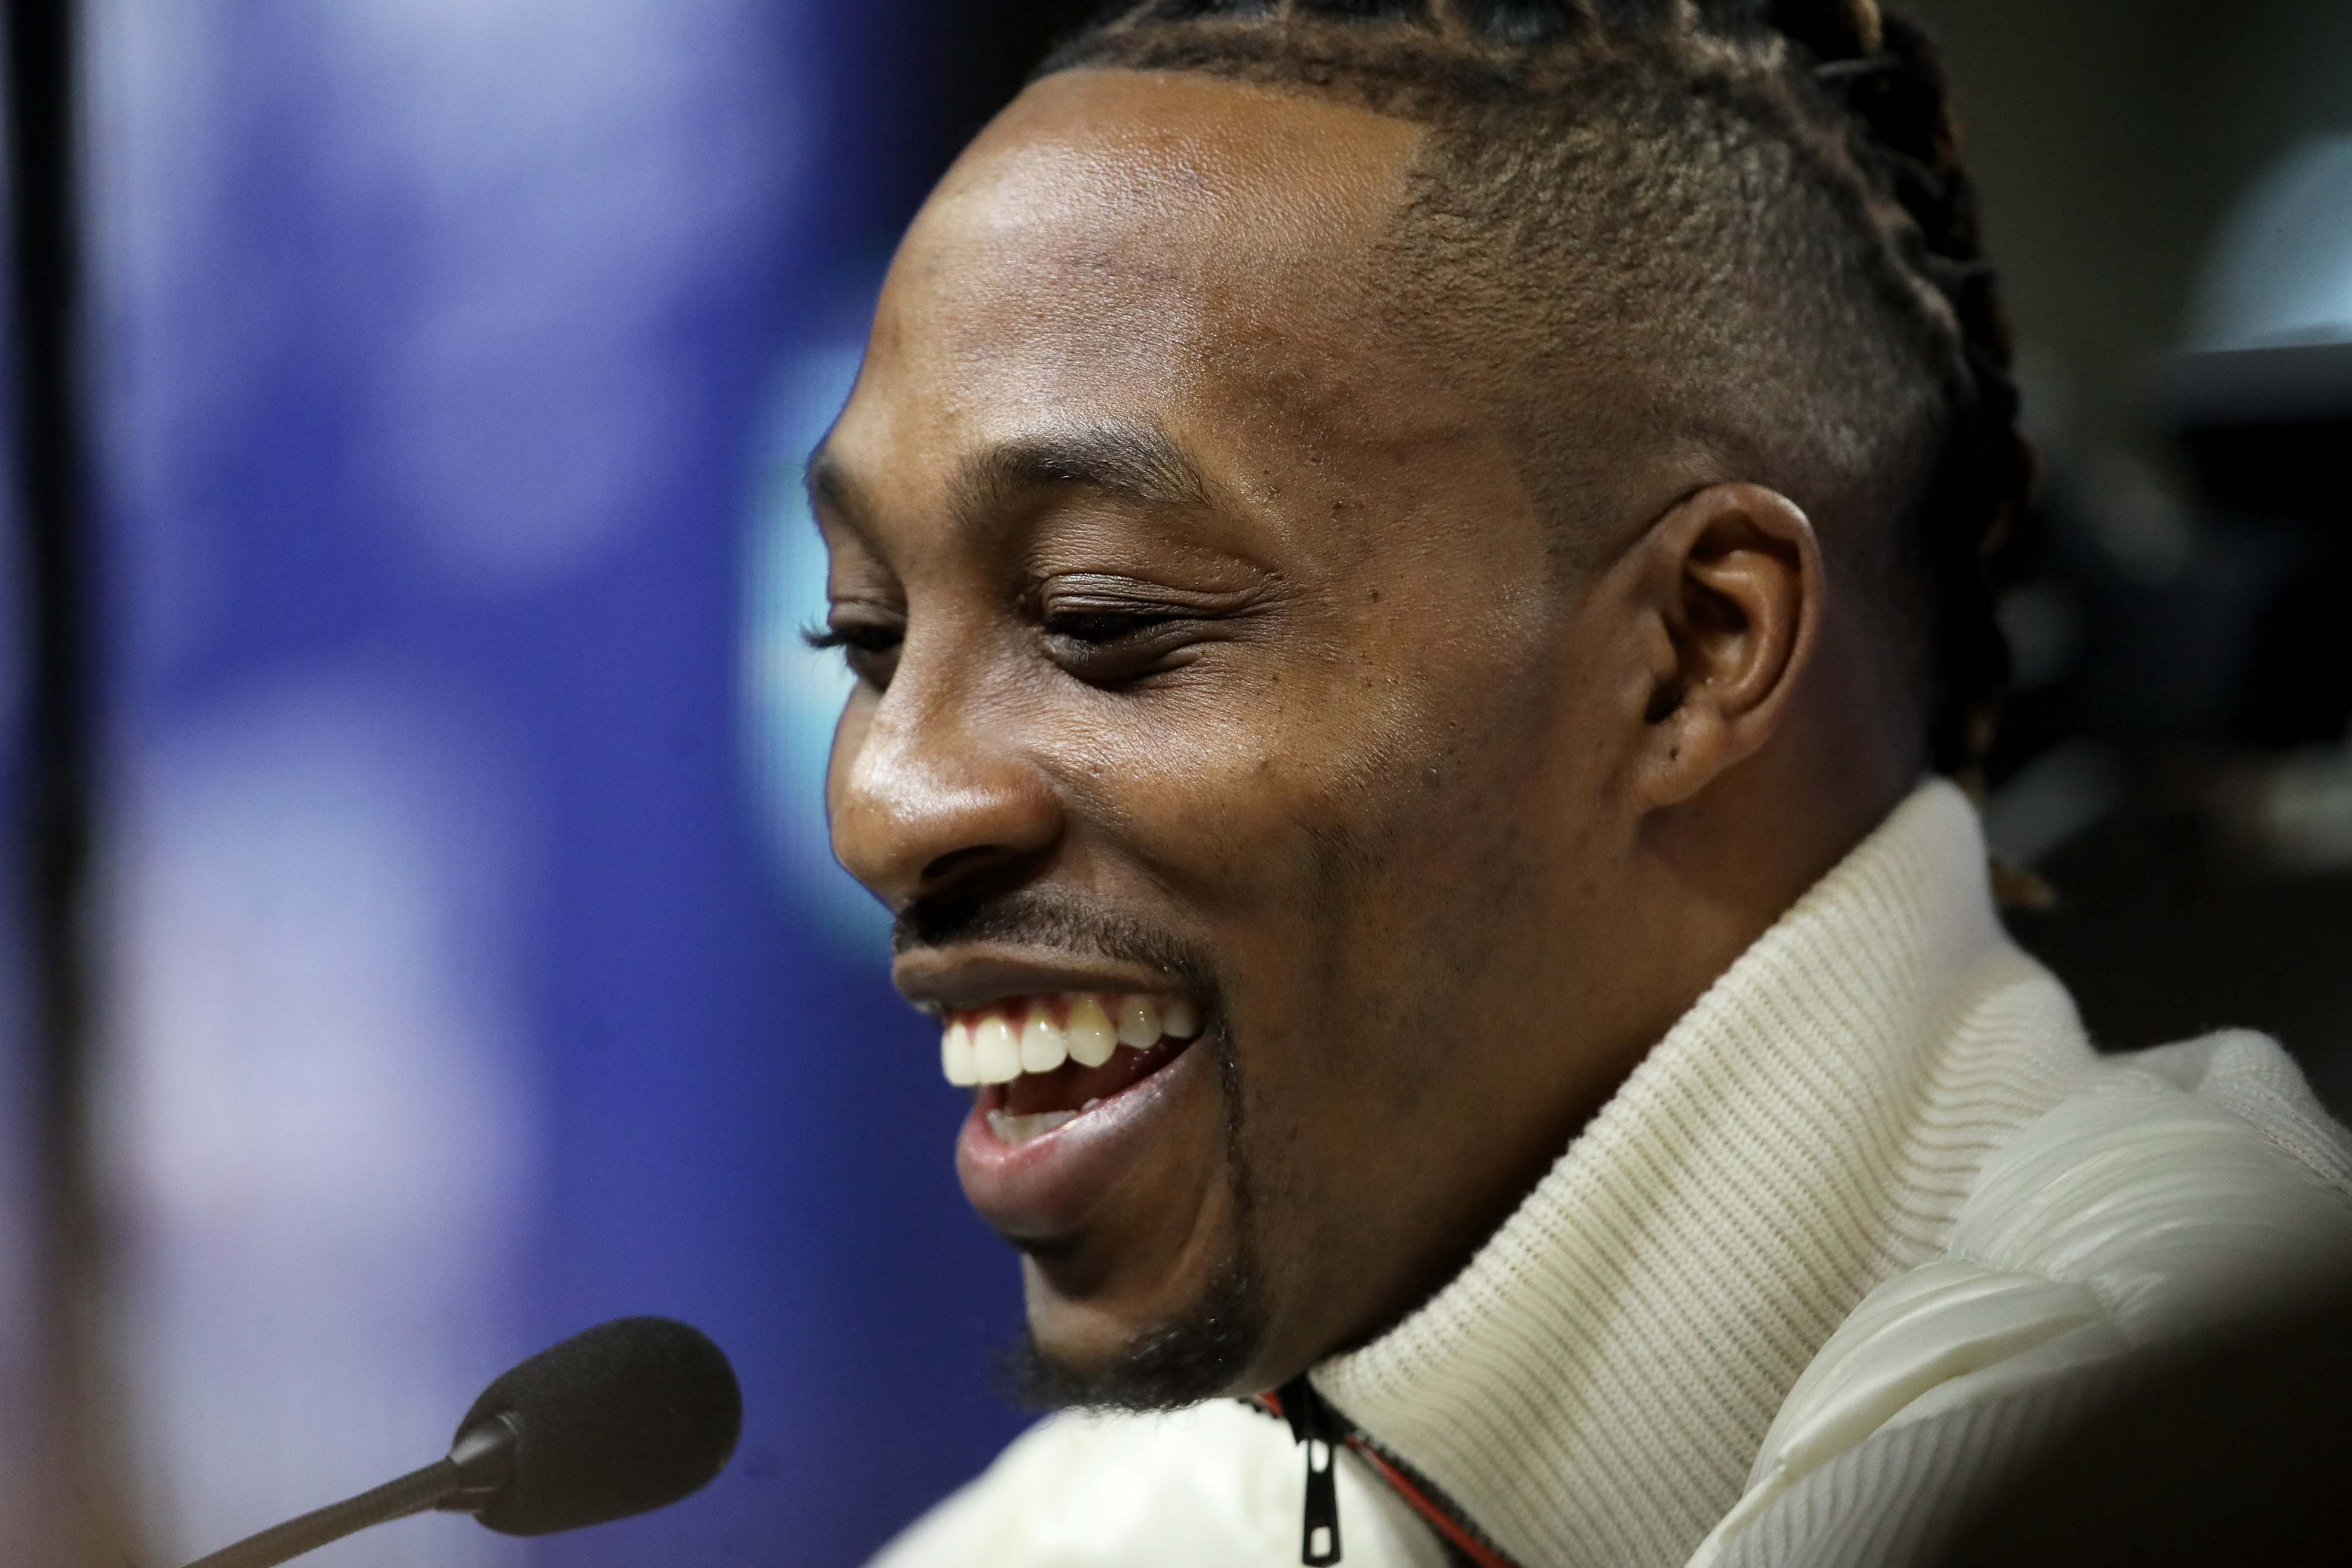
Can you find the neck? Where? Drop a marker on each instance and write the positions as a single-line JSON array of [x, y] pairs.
[[1725, 865]]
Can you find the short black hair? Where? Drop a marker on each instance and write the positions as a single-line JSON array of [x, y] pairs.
[[1767, 189]]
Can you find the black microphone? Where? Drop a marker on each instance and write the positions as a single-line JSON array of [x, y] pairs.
[[626, 1417]]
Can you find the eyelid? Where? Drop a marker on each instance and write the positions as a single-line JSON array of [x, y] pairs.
[[1116, 633], [864, 611], [1102, 593], [880, 627]]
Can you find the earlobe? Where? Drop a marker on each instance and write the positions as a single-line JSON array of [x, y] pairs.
[[1737, 584]]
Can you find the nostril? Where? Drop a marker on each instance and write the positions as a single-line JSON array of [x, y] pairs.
[[958, 865]]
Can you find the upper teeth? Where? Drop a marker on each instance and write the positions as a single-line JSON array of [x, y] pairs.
[[1000, 1043]]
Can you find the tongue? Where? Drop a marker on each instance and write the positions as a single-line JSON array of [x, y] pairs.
[[1070, 1086]]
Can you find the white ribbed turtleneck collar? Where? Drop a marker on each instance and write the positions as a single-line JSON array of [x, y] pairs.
[[1592, 1387]]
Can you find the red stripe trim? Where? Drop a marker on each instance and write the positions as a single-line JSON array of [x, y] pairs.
[[1444, 1524]]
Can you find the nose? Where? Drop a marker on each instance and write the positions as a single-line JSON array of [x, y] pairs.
[[933, 794]]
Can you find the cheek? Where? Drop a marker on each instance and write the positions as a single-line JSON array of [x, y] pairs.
[[1435, 886], [1233, 804]]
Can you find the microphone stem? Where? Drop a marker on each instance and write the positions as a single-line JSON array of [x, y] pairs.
[[411, 1493]]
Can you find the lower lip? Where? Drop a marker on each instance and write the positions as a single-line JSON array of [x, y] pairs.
[[1045, 1188]]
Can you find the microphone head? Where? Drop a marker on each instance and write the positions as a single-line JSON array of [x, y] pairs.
[[628, 1416]]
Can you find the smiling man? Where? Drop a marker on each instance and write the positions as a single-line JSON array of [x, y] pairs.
[[1407, 564]]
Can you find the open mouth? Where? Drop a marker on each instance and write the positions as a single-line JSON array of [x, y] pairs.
[[1043, 1062]]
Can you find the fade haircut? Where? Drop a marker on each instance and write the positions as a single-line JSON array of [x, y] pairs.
[[1748, 217]]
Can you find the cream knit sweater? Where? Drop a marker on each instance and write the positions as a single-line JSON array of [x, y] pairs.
[[1870, 1218]]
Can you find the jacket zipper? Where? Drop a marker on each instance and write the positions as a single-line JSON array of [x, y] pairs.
[[1322, 1429], [1316, 1426]]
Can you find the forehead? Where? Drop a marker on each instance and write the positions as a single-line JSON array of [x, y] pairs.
[[1116, 243], [1115, 166]]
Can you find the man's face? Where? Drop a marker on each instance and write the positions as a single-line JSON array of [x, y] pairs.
[[1215, 671]]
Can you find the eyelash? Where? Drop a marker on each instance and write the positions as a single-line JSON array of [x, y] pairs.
[[1096, 627], [1099, 646], [856, 639]]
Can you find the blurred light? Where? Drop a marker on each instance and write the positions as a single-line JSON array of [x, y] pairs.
[[2281, 269], [795, 692], [2140, 524], [315, 1118], [2055, 797], [2049, 410], [524, 443], [2043, 624], [2293, 812]]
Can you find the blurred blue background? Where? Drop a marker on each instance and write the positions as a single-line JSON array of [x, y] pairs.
[[474, 967]]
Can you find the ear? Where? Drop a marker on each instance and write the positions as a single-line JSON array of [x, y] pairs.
[[1731, 590]]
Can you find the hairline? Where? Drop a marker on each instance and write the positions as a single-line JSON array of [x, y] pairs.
[[1753, 445]]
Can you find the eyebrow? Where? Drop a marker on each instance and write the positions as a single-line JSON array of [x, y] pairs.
[[1136, 460]]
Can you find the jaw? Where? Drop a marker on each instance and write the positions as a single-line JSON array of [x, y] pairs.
[[1198, 1340], [1158, 1252]]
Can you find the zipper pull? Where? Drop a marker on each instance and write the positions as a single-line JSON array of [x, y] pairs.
[[1316, 1424]]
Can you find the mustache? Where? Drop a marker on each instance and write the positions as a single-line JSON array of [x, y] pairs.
[[1033, 918]]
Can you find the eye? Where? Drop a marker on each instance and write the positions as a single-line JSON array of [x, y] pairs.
[[1097, 628], [869, 640], [1109, 631]]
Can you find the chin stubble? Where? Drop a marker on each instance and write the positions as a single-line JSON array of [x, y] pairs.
[[1192, 1356], [1171, 1365]]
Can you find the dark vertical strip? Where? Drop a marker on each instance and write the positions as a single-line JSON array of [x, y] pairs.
[[60, 752]]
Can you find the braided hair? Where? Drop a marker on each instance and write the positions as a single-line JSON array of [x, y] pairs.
[[1772, 187]]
